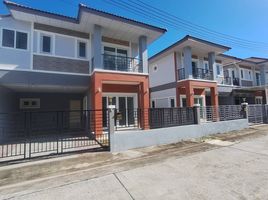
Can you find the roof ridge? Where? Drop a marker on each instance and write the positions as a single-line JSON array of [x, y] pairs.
[[77, 18]]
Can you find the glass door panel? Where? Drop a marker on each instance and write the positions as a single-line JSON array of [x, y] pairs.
[[130, 111], [109, 58], [122, 110], [104, 111], [122, 63]]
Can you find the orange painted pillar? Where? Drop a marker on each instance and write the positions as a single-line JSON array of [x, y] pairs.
[[189, 95], [96, 95], [178, 97], [144, 104], [215, 103]]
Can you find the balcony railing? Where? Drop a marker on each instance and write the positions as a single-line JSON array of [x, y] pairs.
[[227, 81], [198, 73], [121, 63], [236, 81]]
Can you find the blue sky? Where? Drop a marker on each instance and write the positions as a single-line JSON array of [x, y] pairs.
[[245, 19]]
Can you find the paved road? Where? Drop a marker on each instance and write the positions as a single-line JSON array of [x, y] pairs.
[[238, 171]]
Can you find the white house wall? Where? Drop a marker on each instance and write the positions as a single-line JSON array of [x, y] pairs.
[[12, 58], [165, 72], [162, 98]]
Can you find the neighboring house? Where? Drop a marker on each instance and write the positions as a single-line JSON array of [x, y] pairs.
[[54, 62], [244, 80], [195, 71], [184, 72]]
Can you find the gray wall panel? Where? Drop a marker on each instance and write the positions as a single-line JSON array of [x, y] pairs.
[[48, 63]]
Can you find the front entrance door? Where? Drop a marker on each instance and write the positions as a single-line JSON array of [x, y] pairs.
[[75, 114], [125, 107]]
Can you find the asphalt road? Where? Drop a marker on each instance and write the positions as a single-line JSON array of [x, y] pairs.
[[232, 171]]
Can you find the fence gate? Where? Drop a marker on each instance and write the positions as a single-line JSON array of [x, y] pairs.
[[26, 135], [257, 114]]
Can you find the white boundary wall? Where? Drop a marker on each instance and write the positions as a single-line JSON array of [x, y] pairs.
[[125, 140]]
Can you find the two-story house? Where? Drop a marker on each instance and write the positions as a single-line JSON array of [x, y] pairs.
[[244, 80], [194, 71], [54, 62], [186, 73]]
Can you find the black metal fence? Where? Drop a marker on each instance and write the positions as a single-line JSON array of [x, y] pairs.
[[34, 134], [167, 117]]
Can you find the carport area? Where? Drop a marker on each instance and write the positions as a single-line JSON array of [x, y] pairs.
[[45, 113]]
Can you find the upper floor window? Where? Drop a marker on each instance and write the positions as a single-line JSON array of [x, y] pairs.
[[206, 66], [46, 43], [242, 73], [14, 39], [82, 49], [218, 70]]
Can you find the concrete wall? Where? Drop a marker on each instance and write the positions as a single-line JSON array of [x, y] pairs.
[[125, 140], [165, 72], [11, 58]]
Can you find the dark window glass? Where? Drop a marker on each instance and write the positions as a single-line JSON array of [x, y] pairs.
[[242, 74], [218, 70], [46, 44], [8, 38], [153, 104], [172, 103], [82, 49], [21, 40]]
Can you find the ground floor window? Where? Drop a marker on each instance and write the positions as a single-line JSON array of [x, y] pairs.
[[29, 103], [198, 99], [258, 100]]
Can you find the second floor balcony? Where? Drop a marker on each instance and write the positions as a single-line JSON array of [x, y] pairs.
[[121, 63], [231, 81], [197, 73]]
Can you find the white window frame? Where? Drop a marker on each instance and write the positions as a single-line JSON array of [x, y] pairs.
[[30, 100], [77, 41], [53, 54], [221, 70], [116, 46], [169, 102], [258, 98], [15, 39], [183, 96], [52, 41], [246, 75], [155, 70]]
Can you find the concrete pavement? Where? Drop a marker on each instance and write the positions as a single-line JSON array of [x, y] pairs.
[[236, 171]]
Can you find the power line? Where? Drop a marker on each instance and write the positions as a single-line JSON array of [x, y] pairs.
[[164, 18], [195, 25], [134, 9]]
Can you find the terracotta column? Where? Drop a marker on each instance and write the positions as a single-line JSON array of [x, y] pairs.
[[215, 103], [96, 115], [178, 97], [144, 104], [189, 94]]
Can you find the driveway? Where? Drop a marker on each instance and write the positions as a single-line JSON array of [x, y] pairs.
[[235, 168]]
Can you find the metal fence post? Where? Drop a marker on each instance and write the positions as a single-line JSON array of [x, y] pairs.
[[111, 130], [196, 110], [244, 110]]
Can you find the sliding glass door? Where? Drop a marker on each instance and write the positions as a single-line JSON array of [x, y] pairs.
[[125, 107]]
